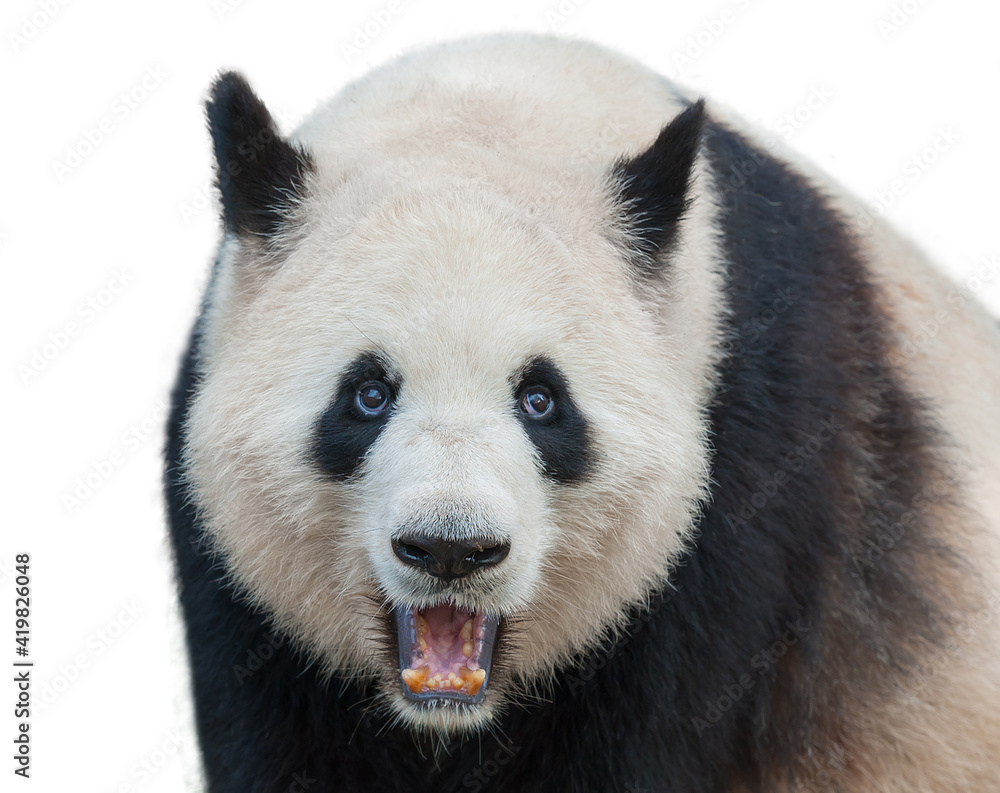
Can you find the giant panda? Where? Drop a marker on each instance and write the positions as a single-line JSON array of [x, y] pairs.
[[546, 429]]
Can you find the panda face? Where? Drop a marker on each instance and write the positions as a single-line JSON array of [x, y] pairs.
[[443, 439]]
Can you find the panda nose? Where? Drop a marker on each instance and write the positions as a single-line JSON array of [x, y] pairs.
[[449, 559]]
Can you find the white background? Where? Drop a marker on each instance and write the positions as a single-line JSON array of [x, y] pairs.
[[109, 691]]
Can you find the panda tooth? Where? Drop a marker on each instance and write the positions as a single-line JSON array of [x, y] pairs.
[[468, 679], [474, 680], [414, 678]]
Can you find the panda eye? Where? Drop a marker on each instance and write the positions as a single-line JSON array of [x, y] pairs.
[[372, 399], [536, 401]]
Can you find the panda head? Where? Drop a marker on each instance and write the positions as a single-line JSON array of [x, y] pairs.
[[447, 434]]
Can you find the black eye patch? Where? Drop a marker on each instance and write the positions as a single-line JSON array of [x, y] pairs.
[[560, 433], [350, 424]]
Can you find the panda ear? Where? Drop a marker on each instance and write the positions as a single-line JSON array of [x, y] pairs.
[[261, 176], [654, 186]]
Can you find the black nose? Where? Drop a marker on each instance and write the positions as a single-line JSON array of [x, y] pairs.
[[449, 559]]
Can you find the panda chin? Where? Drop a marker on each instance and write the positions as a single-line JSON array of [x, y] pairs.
[[445, 653]]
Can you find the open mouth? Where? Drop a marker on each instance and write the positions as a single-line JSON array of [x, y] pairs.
[[445, 652]]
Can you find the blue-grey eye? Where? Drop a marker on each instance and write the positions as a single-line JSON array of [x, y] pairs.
[[372, 398], [536, 401]]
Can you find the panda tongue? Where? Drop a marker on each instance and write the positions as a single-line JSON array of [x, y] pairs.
[[444, 651]]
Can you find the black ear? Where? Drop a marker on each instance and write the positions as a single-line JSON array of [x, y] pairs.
[[260, 174], [654, 185]]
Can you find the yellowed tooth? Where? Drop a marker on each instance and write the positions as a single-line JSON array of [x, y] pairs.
[[423, 644], [467, 630], [414, 678], [475, 680], [467, 649], [472, 679], [420, 680]]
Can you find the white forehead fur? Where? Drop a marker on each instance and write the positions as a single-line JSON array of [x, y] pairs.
[[460, 221]]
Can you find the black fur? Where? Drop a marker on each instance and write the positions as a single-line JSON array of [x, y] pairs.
[[260, 175], [561, 437], [772, 603], [343, 434], [654, 187]]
